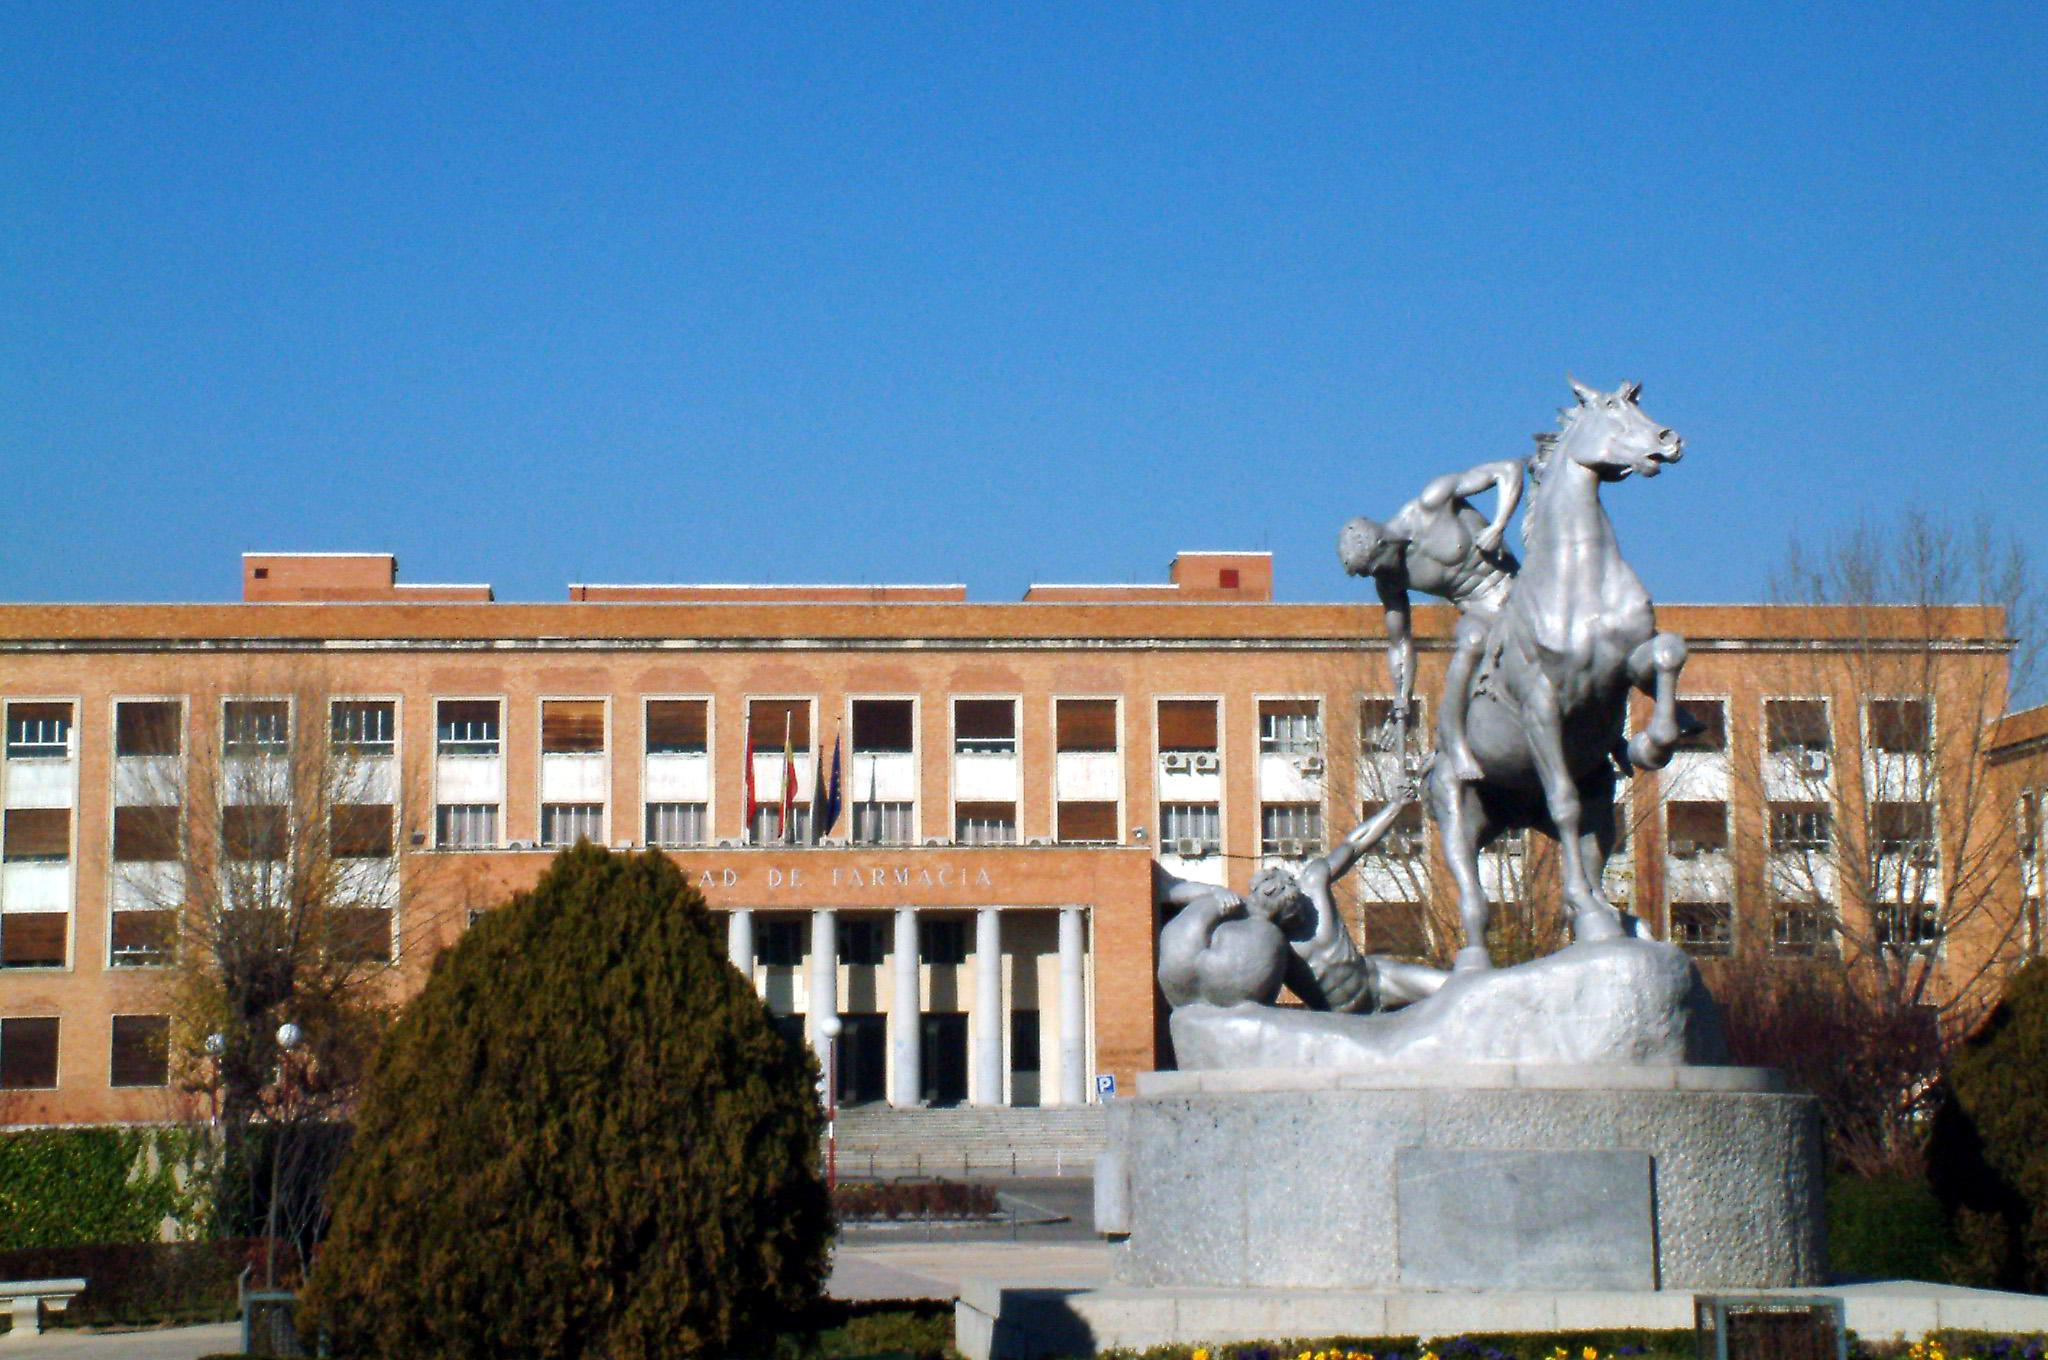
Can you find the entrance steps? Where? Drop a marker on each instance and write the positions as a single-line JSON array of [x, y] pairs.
[[962, 1141]]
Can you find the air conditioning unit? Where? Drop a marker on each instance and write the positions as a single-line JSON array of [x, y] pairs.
[[1174, 762], [1205, 762], [1291, 849], [1309, 765], [1813, 762], [1190, 847], [1037, 840], [934, 841], [519, 845]]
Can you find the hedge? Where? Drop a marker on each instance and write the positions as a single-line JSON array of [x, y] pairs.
[[140, 1284], [853, 1201], [75, 1186]]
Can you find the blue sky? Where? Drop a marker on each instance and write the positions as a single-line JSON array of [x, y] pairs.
[[992, 294]]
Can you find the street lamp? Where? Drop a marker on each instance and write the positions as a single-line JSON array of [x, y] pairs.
[[289, 1037], [829, 1027]]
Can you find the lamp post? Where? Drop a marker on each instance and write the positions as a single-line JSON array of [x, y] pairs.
[[829, 1026], [289, 1037]]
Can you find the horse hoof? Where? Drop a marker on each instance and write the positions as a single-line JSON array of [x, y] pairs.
[[1465, 769], [1472, 959]]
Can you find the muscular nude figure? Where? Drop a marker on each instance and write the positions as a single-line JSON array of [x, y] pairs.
[[1440, 544], [1223, 949]]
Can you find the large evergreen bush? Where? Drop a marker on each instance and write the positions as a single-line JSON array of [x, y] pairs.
[[1989, 1158], [583, 1138]]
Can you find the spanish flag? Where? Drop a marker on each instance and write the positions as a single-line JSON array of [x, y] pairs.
[[788, 782], [753, 805]]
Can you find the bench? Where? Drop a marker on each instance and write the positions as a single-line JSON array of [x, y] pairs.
[[25, 1299]]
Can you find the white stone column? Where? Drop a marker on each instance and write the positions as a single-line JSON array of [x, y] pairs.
[[824, 980], [739, 941], [990, 1019], [906, 1026], [1073, 1006]]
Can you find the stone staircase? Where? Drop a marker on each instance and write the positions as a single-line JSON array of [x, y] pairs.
[[960, 1141]]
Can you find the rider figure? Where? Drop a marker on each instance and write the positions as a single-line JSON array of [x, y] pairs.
[[1441, 545]]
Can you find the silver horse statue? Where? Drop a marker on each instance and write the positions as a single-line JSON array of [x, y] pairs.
[[1544, 720]]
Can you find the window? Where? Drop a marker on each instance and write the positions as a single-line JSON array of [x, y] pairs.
[[360, 934], [1228, 578], [361, 830], [28, 1054], [1900, 726], [2029, 832], [1799, 826], [883, 824], [141, 939], [1405, 840], [1377, 730], [1799, 929], [779, 942], [1907, 927], [466, 826], [1905, 829], [1190, 828], [36, 836], [861, 941], [141, 1051], [568, 823], [1703, 927], [33, 939], [678, 824], [1703, 725], [884, 726], [678, 727], [942, 941], [1087, 823], [1289, 727], [148, 728], [1291, 830], [1696, 827], [145, 835], [985, 823], [38, 731], [255, 727], [1396, 928], [364, 727], [1796, 725], [985, 727], [772, 721], [466, 727], [1084, 725], [572, 727], [1187, 725], [767, 827], [253, 832]]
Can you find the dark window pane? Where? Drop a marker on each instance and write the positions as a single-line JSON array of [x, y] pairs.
[[766, 719], [147, 728], [883, 725], [1187, 724], [678, 726], [1085, 724], [361, 830], [33, 939], [141, 1051], [572, 726], [984, 719], [28, 1054], [141, 938], [37, 835], [1704, 723], [1088, 822]]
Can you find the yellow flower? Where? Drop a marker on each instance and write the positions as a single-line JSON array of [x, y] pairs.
[[1589, 1354], [1201, 1353]]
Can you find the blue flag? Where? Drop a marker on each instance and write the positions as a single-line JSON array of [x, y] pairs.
[[828, 802]]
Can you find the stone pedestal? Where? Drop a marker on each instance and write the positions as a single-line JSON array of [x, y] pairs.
[[1470, 1176]]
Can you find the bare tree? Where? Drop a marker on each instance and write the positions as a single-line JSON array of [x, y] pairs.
[[259, 853], [1890, 858]]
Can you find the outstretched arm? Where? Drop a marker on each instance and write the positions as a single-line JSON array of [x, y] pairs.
[[1400, 644], [1174, 891], [1363, 838], [1504, 476]]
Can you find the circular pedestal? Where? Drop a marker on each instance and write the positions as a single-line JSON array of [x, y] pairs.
[[1480, 1176]]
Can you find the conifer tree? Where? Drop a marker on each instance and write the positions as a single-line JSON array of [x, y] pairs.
[[583, 1138]]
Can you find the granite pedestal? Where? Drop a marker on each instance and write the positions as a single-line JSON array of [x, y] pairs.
[[1468, 1176]]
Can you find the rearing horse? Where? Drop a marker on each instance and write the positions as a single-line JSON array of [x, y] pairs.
[[1545, 719]]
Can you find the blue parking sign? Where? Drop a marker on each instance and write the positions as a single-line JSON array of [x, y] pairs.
[[1105, 1086]]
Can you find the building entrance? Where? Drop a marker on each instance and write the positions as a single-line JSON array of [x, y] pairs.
[[942, 1057], [863, 1058]]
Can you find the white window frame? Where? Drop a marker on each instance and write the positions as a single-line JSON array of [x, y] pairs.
[[435, 754], [1123, 772], [540, 760]]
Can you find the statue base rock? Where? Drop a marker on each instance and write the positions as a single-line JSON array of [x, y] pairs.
[[1623, 1001]]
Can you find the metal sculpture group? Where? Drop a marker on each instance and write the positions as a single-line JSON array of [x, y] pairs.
[[1529, 729]]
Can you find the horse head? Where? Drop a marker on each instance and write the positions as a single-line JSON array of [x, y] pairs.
[[1610, 434]]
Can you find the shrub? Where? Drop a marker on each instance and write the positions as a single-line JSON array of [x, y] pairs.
[[911, 1199], [584, 1137], [1988, 1158], [1888, 1228], [138, 1284]]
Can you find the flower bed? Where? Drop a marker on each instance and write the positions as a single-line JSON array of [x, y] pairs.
[[882, 1201]]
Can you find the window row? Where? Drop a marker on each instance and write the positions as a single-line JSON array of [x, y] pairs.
[[1802, 928], [139, 1054]]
